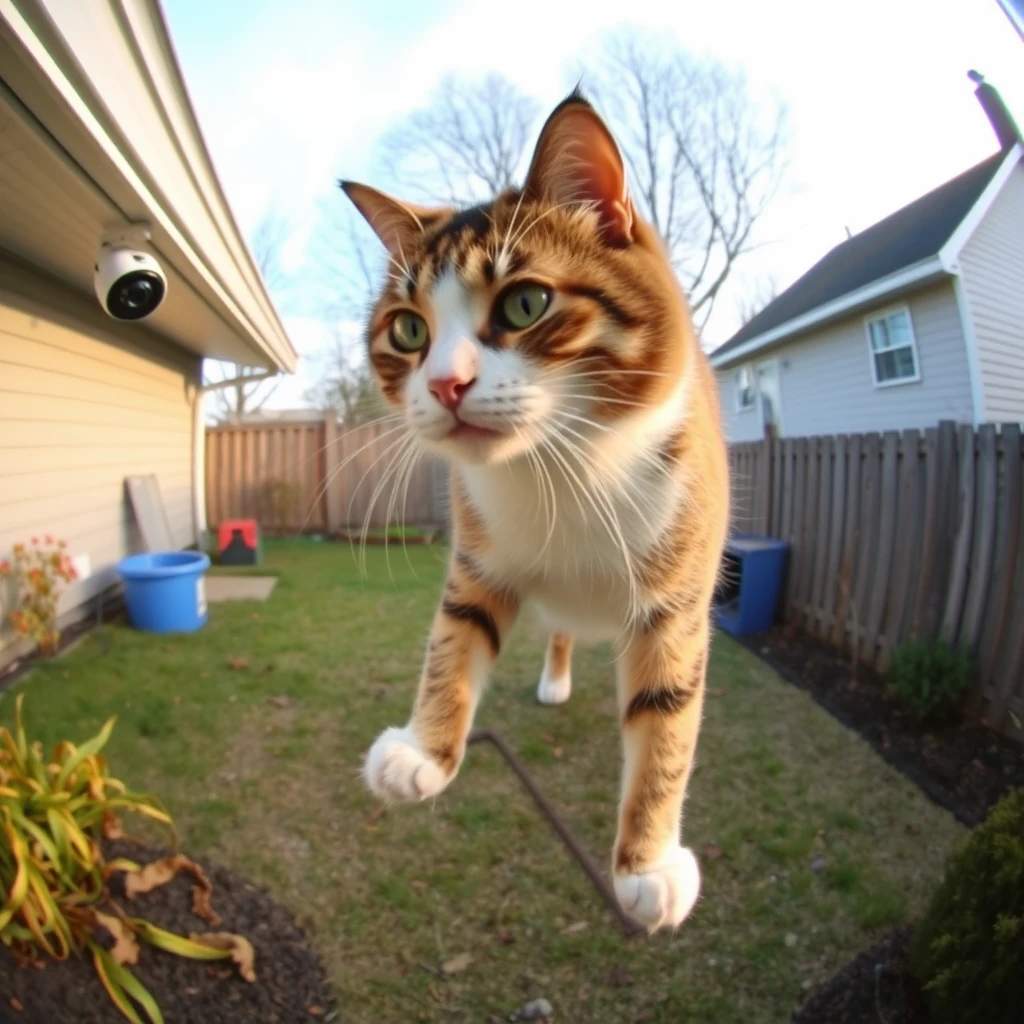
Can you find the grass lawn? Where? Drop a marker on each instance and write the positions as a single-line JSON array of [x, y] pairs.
[[273, 792]]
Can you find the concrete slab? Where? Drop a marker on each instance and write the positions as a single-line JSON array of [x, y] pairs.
[[239, 588]]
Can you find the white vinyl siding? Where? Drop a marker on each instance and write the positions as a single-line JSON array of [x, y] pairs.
[[992, 269], [740, 424], [85, 402], [827, 386]]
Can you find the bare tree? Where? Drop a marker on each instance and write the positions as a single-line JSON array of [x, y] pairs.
[[344, 383], [756, 297], [233, 402], [467, 144], [705, 159]]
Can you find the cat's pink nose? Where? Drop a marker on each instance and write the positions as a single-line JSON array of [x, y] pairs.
[[449, 391]]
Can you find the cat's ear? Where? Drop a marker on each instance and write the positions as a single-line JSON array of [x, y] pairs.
[[577, 161], [398, 225]]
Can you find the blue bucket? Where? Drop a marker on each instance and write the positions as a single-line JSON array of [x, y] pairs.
[[165, 592]]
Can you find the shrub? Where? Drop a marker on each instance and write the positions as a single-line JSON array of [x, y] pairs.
[[968, 952], [54, 899], [931, 677], [38, 571]]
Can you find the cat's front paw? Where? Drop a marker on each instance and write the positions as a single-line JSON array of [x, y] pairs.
[[398, 769], [663, 893]]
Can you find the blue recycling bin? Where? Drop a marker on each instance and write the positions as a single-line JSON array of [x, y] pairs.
[[748, 599], [165, 591]]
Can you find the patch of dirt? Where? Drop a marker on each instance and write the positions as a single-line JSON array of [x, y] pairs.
[[290, 985], [875, 986], [964, 767]]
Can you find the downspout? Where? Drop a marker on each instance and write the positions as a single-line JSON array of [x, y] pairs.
[[199, 449]]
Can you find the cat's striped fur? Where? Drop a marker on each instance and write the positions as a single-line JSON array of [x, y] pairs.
[[588, 475]]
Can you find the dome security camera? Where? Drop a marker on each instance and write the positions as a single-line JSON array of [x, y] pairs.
[[127, 279]]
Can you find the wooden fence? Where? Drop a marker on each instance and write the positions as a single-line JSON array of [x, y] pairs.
[[896, 535], [315, 477]]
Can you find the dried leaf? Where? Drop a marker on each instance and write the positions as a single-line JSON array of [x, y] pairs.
[[715, 691], [160, 872], [125, 949], [112, 826], [238, 662], [575, 929], [557, 751], [16, 1004], [713, 851], [280, 702], [914, 829], [315, 1011], [548, 738], [238, 946], [1015, 719], [457, 964]]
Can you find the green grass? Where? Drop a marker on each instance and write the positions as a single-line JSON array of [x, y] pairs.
[[274, 793]]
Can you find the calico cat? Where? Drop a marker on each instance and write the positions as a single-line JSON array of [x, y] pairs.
[[542, 344]]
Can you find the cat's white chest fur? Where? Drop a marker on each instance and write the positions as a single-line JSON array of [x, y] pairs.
[[568, 536]]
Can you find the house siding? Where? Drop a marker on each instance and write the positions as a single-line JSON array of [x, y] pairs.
[[85, 402], [992, 271], [827, 387]]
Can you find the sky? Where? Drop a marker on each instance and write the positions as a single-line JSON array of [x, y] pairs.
[[290, 97]]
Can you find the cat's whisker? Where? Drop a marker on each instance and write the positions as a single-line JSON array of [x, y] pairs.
[[377, 491], [355, 490], [406, 463], [322, 490]]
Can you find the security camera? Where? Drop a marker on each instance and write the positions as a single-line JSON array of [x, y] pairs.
[[128, 280]]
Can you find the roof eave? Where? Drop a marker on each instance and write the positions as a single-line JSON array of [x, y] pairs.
[[903, 280], [227, 281]]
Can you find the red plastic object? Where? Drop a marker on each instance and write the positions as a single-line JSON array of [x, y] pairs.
[[226, 533]]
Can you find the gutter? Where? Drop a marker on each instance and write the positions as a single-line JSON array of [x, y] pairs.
[[919, 273]]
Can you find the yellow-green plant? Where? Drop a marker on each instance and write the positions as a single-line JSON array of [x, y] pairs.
[[53, 873]]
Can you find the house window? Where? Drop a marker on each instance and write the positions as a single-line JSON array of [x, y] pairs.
[[746, 398], [893, 350]]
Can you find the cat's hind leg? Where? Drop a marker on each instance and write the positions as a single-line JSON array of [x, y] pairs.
[[556, 680], [661, 691]]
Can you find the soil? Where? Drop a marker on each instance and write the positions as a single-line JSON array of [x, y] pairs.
[[874, 986], [290, 984], [964, 767]]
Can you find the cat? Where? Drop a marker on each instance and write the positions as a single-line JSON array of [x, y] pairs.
[[541, 343]]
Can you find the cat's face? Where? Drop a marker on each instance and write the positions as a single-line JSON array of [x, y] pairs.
[[547, 312]]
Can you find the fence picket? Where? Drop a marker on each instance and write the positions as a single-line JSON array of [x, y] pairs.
[[847, 566], [980, 581], [960, 570]]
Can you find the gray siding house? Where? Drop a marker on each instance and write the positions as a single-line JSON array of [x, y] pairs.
[[917, 319]]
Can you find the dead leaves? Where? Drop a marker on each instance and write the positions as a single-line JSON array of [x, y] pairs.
[[238, 663], [160, 872], [126, 948], [457, 964], [238, 946]]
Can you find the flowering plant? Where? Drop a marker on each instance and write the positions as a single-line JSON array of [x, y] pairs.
[[38, 570]]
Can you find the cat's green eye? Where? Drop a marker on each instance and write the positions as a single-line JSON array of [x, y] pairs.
[[408, 332], [522, 306]]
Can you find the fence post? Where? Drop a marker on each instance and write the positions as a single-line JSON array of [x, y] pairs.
[[332, 496]]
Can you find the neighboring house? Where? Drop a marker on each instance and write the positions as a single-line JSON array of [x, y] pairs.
[[96, 131], [917, 319]]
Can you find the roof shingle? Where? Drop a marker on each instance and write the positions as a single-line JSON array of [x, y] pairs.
[[908, 236]]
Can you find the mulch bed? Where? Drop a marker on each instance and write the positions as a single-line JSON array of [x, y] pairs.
[[874, 987], [964, 767], [290, 984]]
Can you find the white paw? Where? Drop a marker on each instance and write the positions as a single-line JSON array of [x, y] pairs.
[[554, 689], [397, 768], [663, 895]]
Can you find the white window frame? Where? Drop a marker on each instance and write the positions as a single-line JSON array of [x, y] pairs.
[[882, 314], [752, 387]]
